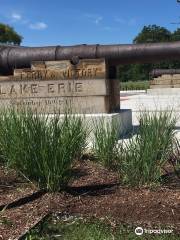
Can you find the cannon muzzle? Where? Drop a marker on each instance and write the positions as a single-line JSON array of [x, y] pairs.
[[159, 72], [21, 57]]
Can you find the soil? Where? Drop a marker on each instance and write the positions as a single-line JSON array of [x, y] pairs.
[[96, 191]]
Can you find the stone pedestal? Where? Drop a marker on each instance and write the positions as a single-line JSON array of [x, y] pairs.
[[166, 81], [122, 120], [167, 84], [88, 87]]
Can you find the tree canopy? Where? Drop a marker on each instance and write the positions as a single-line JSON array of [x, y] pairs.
[[149, 34], [9, 35], [153, 33]]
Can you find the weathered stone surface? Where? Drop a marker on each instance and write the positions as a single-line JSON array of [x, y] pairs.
[[160, 86], [63, 70], [160, 81], [57, 85], [114, 88], [176, 76], [89, 104], [166, 76], [49, 88], [166, 81]]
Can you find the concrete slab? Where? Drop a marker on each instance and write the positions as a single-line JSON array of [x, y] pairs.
[[156, 102]]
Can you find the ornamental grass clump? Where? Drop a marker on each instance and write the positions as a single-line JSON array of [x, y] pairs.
[[41, 147], [174, 158], [105, 140], [146, 153]]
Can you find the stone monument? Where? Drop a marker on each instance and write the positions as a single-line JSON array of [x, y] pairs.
[[81, 76], [89, 87], [165, 81]]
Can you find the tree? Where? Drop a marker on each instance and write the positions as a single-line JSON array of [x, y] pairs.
[[153, 33], [9, 35], [149, 34], [176, 35]]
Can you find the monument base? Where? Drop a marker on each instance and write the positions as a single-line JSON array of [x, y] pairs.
[[164, 91], [122, 120]]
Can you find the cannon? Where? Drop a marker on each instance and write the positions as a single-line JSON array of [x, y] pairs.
[[21, 57], [159, 72]]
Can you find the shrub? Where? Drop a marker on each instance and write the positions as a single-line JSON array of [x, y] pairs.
[[146, 153], [40, 146], [105, 140], [138, 85]]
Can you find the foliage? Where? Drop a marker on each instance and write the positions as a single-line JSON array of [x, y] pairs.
[[41, 147], [175, 36], [9, 35], [149, 34], [153, 33], [134, 72], [147, 152], [105, 139], [140, 85]]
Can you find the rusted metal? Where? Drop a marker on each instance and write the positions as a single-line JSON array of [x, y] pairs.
[[159, 72], [21, 57]]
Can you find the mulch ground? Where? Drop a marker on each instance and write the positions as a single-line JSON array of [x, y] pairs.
[[13, 187], [95, 191]]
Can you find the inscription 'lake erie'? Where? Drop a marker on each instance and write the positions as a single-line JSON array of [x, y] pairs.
[[20, 89]]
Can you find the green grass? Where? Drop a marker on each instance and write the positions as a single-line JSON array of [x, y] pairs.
[[105, 140], [41, 147], [147, 152], [132, 85], [174, 158], [91, 229], [141, 159]]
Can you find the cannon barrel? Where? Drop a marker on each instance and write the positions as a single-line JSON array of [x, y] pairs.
[[159, 72], [21, 57]]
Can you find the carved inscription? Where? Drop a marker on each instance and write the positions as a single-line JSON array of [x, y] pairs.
[[54, 75], [58, 88], [60, 104], [49, 88], [60, 70]]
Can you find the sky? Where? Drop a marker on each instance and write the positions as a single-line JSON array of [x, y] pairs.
[[68, 22]]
